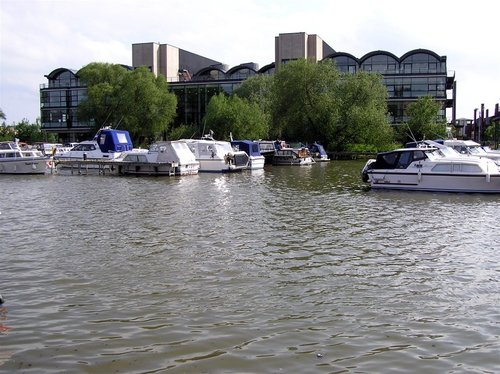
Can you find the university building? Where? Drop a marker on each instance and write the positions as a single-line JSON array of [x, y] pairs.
[[195, 79]]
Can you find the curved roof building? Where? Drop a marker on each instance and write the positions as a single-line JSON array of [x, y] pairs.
[[195, 79]]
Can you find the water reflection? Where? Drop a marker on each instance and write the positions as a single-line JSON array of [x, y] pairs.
[[290, 269]]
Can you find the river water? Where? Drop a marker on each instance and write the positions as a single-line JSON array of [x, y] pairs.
[[286, 270]]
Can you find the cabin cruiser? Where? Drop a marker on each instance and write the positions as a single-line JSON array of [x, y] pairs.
[[163, 158], [107, 144], [15, 160], [318, 152], [252, 148], [430, 166], [217, 155], [284, 154], [471, 148]]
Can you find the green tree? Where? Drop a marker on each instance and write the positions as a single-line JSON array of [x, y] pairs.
[[242, 118], [306, 104], [424, 121], [363, 113], [148, 107], [31, 132], [259, 90], [2, 115], [136, 100], [104, 100]]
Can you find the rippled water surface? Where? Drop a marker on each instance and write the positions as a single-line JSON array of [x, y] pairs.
[[286, 270]]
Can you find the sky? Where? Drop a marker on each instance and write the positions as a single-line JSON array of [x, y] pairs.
[[39, 36]]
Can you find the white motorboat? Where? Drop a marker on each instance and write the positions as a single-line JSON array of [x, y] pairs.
[[163, 158], [471, 148], [252, 148], [431, 167], [107, 144], [14, 160], [217, 155]]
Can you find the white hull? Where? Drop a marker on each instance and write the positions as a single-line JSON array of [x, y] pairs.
[[435, 182], [213, 165], [256, 162], [432, 168], [217, 156], [24, 166]]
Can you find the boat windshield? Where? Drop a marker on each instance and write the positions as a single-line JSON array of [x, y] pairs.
[[477, 150]]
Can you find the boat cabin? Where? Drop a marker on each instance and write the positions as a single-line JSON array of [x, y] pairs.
[[250, 147], [398, 159]]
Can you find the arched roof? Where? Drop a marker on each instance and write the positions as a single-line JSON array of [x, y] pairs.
[[341, 54], [266, 68], [55, 73], [207, 70], [424, 51], [378, 53], [241, 67]]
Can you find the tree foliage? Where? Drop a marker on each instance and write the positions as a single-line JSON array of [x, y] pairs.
[[233, 115], [424, 121], [306, 104], [363, 112], [26, 132], [136, 100]]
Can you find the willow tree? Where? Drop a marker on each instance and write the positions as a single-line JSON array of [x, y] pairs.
[[306, 104], [363, 113], [133, 100], [233, 115]]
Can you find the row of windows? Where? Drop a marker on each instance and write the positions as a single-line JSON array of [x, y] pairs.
[[62, 118], [419, 63], [62, 98], [64, 79]]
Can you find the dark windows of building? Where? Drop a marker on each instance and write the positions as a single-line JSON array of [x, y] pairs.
[[382, 63]]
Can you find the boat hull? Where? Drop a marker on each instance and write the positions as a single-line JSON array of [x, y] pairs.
[[24, 166], [436, 182]]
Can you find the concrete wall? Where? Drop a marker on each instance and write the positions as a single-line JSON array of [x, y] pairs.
[[146, 54]]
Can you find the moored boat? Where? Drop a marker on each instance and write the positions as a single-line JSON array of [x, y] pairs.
[[431, 167], [163, 158], [14, 160], [286, 155], [217, 155], [107, 144], [318, 152], [252, 148], [471, 148]]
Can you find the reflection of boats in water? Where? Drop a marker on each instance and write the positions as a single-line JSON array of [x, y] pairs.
[[431, 167], [15, 160], [217, 155], [163, 158], [252, 148]]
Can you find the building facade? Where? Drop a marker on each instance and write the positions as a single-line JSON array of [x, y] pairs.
[[195, 79]]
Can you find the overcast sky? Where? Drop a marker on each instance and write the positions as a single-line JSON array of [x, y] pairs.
[[38, 36]]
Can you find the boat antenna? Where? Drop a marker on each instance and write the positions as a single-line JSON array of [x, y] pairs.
[[412, 137]]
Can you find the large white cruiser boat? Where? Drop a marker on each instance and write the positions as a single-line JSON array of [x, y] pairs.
[[431, 167], [14, 160], [217, 155]]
